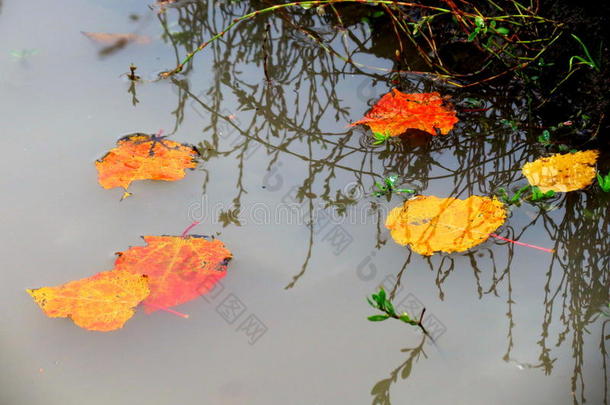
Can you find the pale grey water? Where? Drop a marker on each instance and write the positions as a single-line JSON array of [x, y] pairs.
[[523, 330]]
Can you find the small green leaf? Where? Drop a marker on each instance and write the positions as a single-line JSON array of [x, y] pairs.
[[502, 30], [378, 318], [405, 318], [545, 138], [391, 180], [389, 308], [381, 294], [604, 181], [379, 300]]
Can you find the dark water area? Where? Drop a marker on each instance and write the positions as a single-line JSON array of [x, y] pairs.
[[285, 182]]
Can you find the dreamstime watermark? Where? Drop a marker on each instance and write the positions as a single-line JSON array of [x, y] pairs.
[[370, 94], [228, 123], [292, 209], [232, 309]]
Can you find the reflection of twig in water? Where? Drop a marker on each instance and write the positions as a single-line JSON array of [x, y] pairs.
[[266, 50], [297, 276], [381, 390], [604, 353], [132, 91], [399, 276]]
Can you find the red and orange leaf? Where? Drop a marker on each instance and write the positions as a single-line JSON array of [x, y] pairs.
[[179, 269], [143, 157], [103, 302], [430, 224], [396, 112]]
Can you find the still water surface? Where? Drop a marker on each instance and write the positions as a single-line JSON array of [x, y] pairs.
[[288, 325]]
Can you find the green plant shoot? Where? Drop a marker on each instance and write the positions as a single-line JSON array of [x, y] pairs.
[[587, 60], [382, 303], [535, 195], [388, 186], [380, 138], [604, 181]]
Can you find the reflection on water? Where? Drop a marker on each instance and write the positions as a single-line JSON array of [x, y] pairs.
[[284, 119], [381, 390], [279, 133]]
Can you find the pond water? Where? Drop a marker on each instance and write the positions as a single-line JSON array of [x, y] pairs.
[[286, 184]]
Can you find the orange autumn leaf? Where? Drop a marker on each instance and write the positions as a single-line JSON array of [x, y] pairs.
[[102, 302], [430, 224], [562, 173], [396, 112], [141, 157], [179, 268]]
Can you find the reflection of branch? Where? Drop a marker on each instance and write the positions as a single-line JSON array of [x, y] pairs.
[[604, 353], [276, 7], [297, 276], [289, 119], [399, 276], [132, 91], [381, 390], [279, 148]]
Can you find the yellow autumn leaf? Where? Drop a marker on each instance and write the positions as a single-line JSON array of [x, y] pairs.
[[102, 302], [430, 224], [562, 173]]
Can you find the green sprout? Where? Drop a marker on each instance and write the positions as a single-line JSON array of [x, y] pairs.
[[388, 186], [538, 195], [481, 29], [545, 138], [381, 302], [515, 199], [380, 138], [604, 181], [587, 60], [535, 195], [419, 25]]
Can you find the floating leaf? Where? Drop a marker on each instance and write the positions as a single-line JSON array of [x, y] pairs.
[[562, 173], [179, 269], [430, 224], [397, 112], [113, 39], [140, 157], [103, 302]]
